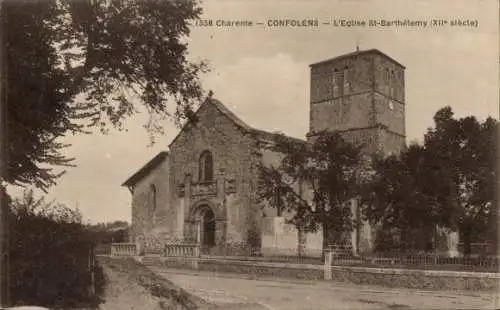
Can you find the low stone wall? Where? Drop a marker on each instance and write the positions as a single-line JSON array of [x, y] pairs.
[[123, 249], [182, 263], [299, 271], [402, 278], [419, 279]]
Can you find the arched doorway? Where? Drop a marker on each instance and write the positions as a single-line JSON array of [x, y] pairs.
[[206, 228]]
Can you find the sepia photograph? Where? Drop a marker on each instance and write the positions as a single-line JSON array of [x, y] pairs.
[[249, 154]]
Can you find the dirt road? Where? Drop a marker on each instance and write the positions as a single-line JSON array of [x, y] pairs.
[[285, 294]]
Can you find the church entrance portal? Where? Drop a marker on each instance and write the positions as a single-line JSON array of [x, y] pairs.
[[207, 229]]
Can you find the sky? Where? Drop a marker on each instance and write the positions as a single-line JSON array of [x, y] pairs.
[[262, 74]]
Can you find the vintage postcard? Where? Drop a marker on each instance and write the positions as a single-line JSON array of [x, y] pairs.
[[250, 154]]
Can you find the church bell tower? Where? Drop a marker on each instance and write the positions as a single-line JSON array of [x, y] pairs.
[[362, 96]]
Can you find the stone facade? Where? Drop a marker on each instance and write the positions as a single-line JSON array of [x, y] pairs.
[[150, 191], [228, 194], [203, 189], [362, 95]]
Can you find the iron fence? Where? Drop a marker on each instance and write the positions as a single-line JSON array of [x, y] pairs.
[[245, 252], [426, 261]]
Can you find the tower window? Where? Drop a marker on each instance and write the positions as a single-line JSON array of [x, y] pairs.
[[152, 202], [335, 83], [316, 89], [345, 78], [206, 171]]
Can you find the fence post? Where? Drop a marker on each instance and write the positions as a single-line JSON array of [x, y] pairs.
[[92, 270], [328, 265], [196, 256]]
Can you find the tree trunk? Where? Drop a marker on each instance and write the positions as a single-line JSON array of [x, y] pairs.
[[325, 239], [467, 241], [4, 207], [4, 249]]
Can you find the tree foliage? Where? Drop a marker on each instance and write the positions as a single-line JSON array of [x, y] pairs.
[[29, 205], [106, 233], [72, 65], [328, 168], [51, 256], [397, 200], [464, 174], [448, 181]]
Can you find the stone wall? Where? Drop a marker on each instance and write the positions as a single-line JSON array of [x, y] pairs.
[[386, 277], [359, 75], [282, 239], [389, 113], [417, 279], [231, 150], [389, 75], [342, 113], [370, 107], [447, 242], [147, 220]]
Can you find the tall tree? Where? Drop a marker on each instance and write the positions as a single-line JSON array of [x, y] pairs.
[[328, 169], [78, 64], [465, 172], [448, 181], [70, 65], [395, 198]]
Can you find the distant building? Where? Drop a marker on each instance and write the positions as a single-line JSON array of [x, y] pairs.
[[203, 189]]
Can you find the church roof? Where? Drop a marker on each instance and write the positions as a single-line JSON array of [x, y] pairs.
[[150, 165], [357, 53], [271, 136], [258, 133], [224, 110]]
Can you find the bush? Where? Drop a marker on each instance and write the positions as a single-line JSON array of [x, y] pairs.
[[52, 258]]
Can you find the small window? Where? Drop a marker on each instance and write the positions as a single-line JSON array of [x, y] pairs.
[[345, 78], [392, 92], [152, 202], [317, 90], [335, 83], [206, 171]]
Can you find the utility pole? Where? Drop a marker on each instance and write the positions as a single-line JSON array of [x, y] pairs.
[[4, 208]]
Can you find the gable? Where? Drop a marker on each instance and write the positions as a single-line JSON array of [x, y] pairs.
[[206, 114], [221, 110], [146, 169]]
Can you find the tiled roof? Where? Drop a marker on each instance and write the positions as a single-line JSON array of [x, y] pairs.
[[271, 136], [141, 173], [358, 53], [258, 133]]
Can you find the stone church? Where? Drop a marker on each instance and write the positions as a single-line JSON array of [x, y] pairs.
[[203, 188]]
